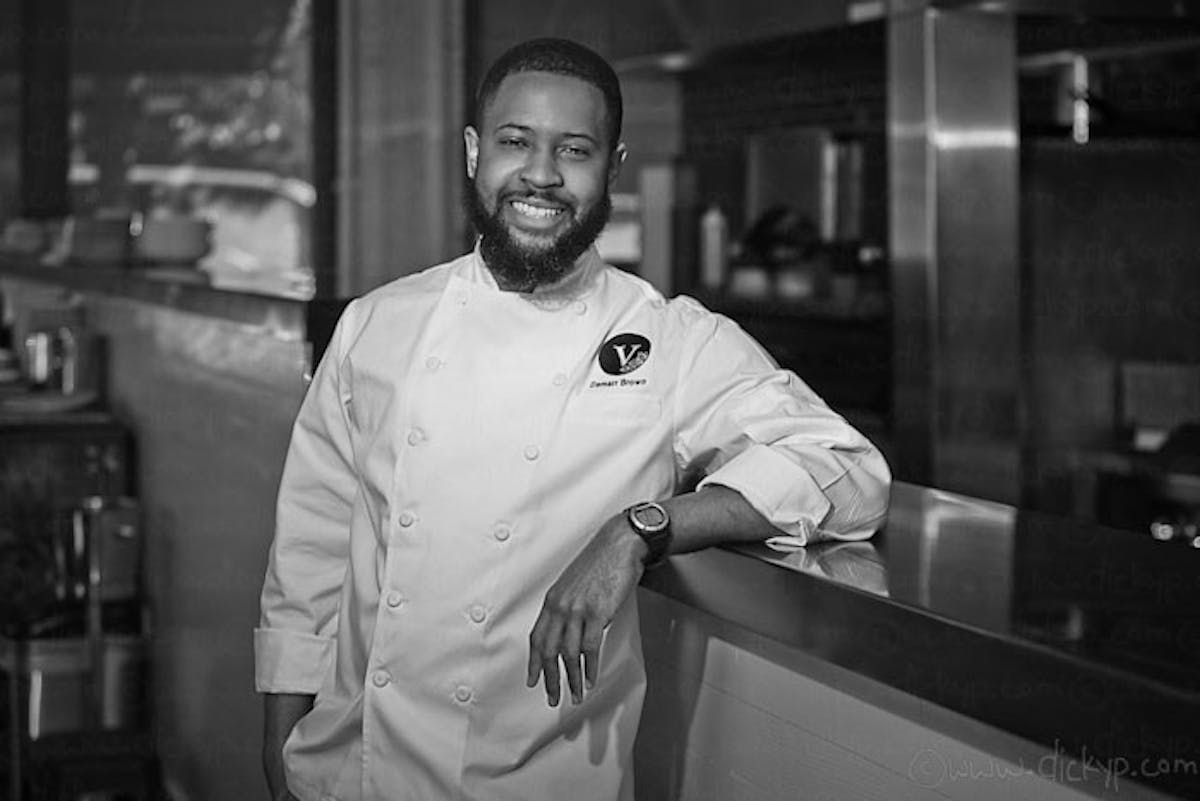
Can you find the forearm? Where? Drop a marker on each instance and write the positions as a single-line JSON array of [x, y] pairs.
[[281, 712], [713, 515], [811, 492]]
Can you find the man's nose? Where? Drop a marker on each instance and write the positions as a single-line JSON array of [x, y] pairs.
[[541, 169]]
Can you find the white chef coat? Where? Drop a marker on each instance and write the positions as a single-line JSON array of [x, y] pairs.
[[457, 448]]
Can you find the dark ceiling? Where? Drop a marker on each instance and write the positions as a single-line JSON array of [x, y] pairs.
[[124, 36]]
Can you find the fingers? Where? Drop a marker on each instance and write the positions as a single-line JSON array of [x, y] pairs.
[[535, 650], [570, 657], [543, 655], [553, 687], [593, 636], [573, 638]]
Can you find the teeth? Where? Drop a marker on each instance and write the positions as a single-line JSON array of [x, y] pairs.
[[535, 211]]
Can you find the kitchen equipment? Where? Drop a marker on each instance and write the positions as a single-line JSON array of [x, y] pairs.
[[750, 281], [99, 239], [172, 239], [714, 247], [62, 369], [795, 284], [56, 675], [102, 539], [78, 671], [52, 360], [23, 236], [9, 369]]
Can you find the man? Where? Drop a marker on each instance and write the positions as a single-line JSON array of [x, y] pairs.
[[490, 454]]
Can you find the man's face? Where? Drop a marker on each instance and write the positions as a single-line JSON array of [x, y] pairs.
[[541, 167]]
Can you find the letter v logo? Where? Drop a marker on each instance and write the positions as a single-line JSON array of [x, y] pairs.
[[624, 353]]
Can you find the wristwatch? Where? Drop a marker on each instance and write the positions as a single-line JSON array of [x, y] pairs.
[[652, 523]]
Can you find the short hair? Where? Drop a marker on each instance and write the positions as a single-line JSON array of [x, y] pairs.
[[561, 57]]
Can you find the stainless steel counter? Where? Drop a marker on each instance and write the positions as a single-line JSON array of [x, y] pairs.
[[1064, 633]]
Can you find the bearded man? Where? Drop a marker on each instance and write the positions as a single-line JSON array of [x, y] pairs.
[[491, 453]]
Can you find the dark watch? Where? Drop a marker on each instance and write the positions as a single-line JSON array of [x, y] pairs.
[[652, 523]]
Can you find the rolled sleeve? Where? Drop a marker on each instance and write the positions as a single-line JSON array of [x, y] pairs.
[[778, 489], [290, 661], [750, 426]]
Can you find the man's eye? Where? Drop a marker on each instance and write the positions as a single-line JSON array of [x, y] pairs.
[[512, 141], [572, 151]]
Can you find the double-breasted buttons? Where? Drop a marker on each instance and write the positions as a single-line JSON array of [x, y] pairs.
[[380, 678], [532, 452], [502, 531]]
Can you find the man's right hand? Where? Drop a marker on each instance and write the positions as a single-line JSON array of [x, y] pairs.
[[281, 712]]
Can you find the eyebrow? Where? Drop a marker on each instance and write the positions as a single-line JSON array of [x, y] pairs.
[[529, 130]]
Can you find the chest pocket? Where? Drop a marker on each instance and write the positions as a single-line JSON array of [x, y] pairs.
[[617, 410]]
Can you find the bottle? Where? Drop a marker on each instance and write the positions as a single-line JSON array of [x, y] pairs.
[[714, 247]]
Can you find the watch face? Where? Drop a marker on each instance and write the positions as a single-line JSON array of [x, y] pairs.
[[651, 516]]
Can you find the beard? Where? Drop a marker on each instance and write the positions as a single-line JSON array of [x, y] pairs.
[[523, 268]]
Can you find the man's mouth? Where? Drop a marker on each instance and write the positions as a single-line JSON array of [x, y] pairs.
[[537, 211]]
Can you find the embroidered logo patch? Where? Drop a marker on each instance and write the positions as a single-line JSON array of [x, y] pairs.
[[624, 353]]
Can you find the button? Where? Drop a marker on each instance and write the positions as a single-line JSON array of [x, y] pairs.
[[407, 519], [462, 693], [560, 379], [502, 532], [478, 614], [461, 299], [380, 678], [580, 307], [532, 452], [433, 363], [394, 599], [416, 436]]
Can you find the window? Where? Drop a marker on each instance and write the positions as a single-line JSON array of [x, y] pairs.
[[208, 119], [194, 120]]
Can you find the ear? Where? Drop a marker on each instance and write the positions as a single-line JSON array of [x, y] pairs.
[[614, 167], [471, 142]]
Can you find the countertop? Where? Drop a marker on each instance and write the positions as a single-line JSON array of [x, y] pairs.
[[162, 287], [1065, 633]]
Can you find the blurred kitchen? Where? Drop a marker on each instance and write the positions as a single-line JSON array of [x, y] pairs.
[[970, 226]]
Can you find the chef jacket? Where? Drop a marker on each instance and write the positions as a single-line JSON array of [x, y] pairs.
[[458, 446]]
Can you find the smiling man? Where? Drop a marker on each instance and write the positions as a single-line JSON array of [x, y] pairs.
[[491, 453], [542, 166]]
